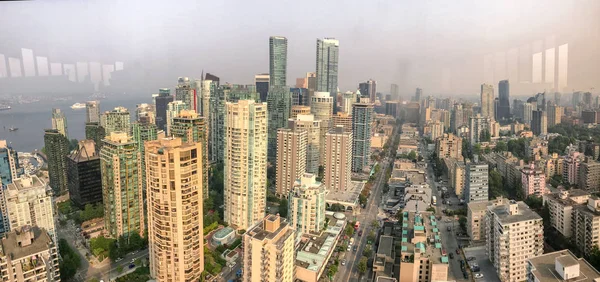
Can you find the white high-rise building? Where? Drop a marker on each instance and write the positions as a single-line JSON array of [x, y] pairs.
[[59, 122], [321, 107], [92, 111], [312, 127], [307, 205], [245, 162]]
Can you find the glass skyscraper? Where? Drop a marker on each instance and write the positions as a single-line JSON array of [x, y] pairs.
[[327, 67], [277, 60], [504, 100], [362, 117]]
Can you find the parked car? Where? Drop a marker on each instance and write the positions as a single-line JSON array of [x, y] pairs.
[[131, 266], [458, 251], [355, 248], [360, 233], [451, 255], [478, 275], [465, 275], [471, 258], [443, 252], [449, 228]]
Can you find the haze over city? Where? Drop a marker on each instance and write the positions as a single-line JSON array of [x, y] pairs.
[[434, 45]]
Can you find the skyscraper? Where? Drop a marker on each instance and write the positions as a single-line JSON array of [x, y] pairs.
[[143, 131], [173, 110], [554, 115], [185, 93], [29, 202], [307, 205], [291, 158], [245, 162], [261, 81], [322, 108], [9, 164], [338, 159], [504, 99], [161, 101], [116, 120], [57, 149], [487, 101], [83, 173], [120, 165], [362, 118], [59, 122], [175, 239], [395, 92], [478, 124], [269, 251], [312, 127], [145, 112], [95, 132], [277, 61], [327, 67], [92, 111], [476, 183], [368, 90], [539, 122], [191, 128], [278, 108], [418, 95]]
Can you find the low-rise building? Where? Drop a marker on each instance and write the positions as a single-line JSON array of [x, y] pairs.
[[560, 266], [560, 206], [533, 181], [383, 262], [92, 228], [421, 257]]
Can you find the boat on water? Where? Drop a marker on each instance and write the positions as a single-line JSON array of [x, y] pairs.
[[13, 129], [78, 106], [4, 108]]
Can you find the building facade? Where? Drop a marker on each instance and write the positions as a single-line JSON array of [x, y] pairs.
[[307, 205], [321, 107], [122, 195], [160, 102], [57, 149], [278, 61], [312, 127], [245, 163], [487, 101], [83, 174], [291, 159], [92, 111], [338, 159], [533, 181], [504, 100], [449, 146], [59, 122], [362, 119], [116, 120], [476, 182], [327, 68], [175, 240]]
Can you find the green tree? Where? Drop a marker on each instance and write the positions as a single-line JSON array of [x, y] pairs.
[[349, 229], [501, 146], [485, 136], [495, 184], [367, 251], [462, 221], [535, 202], [71, 261], [362, 199], [477, 149], [283, 208], [362, 265], [371, 236], [412, 155], [331, 271], [73, 144]]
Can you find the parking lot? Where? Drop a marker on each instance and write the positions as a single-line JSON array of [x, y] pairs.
[[486, 267]]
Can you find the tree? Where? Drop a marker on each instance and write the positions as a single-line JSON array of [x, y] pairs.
[[501, 146], [362, 265], [495, 184], [412, 155], [371, 236], [367, 251], [477, 149], [485, 136], [374, 224], [362, 199], [463, 222], [283, 208], [534, 202], [71, 261], [431, 209], [349, 229]]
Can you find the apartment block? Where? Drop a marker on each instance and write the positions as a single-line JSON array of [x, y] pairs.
[[449, 146], [291, 159], [338, 161], [533, 181], [29, 203], [561, 205], [28, 254], [121, 168], [116, 120], [476, 182], [299, 110], [343, 119], [421, 257], [307, 205], [589, 175], [560, 266], [312, 127], [476, 222], [245, 162], [83, 174], [514, 234], [175, 239], [586, 219], [269, 251]]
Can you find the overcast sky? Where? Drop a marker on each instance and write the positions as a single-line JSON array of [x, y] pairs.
[[404, 42]]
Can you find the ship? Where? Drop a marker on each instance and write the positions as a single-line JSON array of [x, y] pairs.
[[13, 129], [78, 106], [4, 108]]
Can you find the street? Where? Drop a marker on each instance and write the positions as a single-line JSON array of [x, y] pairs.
[[367, 215]]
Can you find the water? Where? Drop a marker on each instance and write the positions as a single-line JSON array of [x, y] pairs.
[[32, 119]]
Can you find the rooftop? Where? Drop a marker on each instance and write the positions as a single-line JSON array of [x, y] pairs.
[[544, 267], [25, 182], [259, 232], [565, 198], [348, 196], [386, 244], [421, 237], [505, 217], [313, 250], [12, 246]]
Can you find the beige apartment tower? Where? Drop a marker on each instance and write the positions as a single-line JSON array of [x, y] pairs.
[[449, 146], [299, 110], [313, 130], [321, 107], [291, 158], [343, 119], [174, 183], [245, 163], [487, 101], [269, 251], [307, 205], [338, 159]]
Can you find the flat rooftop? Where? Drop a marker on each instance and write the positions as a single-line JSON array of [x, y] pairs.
[[314, 249], [524, 214], [420, 234], [11, 248], [25, 182], [544, 267], [258, 233], [568, 201], [349, 196], [386, 244]]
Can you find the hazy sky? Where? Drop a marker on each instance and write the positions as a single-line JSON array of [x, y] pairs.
[[404, 42]]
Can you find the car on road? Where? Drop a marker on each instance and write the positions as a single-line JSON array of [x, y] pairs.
[[471, 258], [355, 248], [343, 262], [118, 259], [478, 275], [360, 233], [451, 255], [443, 252], [131, 266], [458, 251]]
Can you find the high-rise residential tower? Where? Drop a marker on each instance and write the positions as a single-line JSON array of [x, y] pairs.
[[307, 205], [184, 92], [504, 100], [120, 165], [476, 183], [59, 122], [191, 128], [29, 202], [9, 164], [312, 127], [321, 107], [261, 81], [554, 115], [278, 109], [368, 90], [478, 125], [92, 111], [83, 173], [362, 118], [143, 131], [269, 251], [338, 159], [539, 122], [116, 120], [327, 67], [175, 239], [245, 162], [57, 149], [291, 158], [173, 110], [487, 101], [277, 61], [95, 132], [395, 92], [161, 101]]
